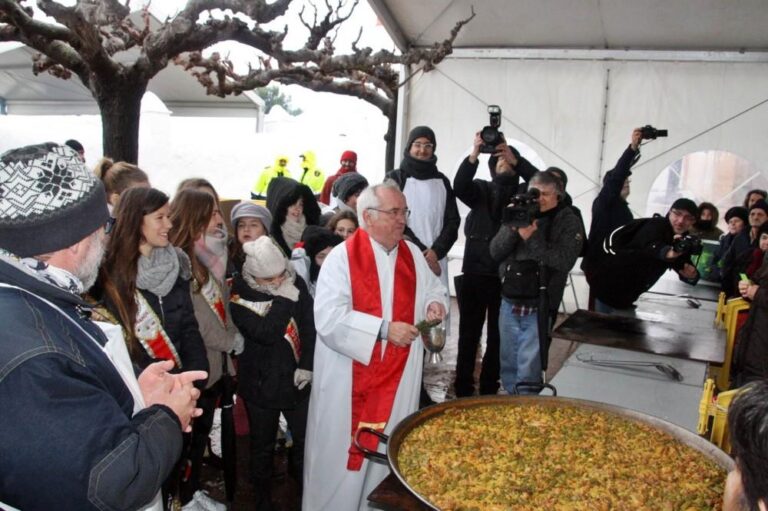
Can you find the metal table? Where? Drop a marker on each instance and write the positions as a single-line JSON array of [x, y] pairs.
[[644, 389]]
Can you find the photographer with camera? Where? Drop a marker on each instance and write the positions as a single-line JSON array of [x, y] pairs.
[[537, 245], [610, 209], [637, 255], [478, 289]]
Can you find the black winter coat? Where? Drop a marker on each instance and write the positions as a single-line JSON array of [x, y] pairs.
[[177, 316], [266, 366], [282, 193], [486, 200], [634, 261], [751, 356], [609, 210]]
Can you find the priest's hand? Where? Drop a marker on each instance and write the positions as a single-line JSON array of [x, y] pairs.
[[401, 334], [435, 310]]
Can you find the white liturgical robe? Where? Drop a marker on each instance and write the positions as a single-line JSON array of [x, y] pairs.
[[345, 335]]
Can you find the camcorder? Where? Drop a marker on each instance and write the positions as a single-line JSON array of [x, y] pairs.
[[688, 244], [522, 209], [648, 132], [490, 134]]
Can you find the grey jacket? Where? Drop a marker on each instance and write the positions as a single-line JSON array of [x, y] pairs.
[[219, 339], [556, 242]]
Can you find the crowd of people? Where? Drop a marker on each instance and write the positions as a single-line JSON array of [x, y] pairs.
[[125, 308]]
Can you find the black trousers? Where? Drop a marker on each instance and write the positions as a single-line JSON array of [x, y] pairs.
[[478, 295], [263, 424], [201, 428]]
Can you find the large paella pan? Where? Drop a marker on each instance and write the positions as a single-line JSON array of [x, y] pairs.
[[529, 453]]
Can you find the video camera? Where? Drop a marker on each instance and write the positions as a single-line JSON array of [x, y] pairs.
[[648, 132], [490, 134], [522, 209], [688, 245]]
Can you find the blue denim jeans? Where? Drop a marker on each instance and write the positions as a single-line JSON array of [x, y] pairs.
[[519, 355]]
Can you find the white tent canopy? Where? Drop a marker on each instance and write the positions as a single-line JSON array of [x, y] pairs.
[[574, 78]]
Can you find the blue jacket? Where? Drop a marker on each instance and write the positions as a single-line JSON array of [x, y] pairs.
[[68, 440]]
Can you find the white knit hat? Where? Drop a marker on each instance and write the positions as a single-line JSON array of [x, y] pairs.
[[263, 259]]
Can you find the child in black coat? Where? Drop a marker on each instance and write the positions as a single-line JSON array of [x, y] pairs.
[[272, 308]]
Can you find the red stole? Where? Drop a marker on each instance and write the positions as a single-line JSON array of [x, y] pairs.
[[374, 385]]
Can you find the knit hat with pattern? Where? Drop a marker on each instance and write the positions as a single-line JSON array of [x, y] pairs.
[[49, 200]]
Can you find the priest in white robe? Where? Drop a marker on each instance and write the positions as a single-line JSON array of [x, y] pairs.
[[366, 338]]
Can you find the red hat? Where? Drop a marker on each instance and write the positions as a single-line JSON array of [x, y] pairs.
[[349, 155]]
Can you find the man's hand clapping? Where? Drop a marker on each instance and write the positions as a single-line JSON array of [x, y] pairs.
[[176, 391]]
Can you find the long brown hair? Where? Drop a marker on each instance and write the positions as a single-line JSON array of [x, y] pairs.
[[191, 211], [120, 269]]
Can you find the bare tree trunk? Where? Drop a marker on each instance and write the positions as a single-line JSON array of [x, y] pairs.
[[391, 136], [120, 106]]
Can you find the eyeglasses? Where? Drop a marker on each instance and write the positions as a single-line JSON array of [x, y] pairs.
[[394, 212], [419, 145], [109, 225]]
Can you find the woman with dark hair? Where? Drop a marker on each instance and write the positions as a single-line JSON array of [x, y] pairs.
[[194, 218], [306, 259], [343, 223], [118, 177], [145, 286], [293, 207]]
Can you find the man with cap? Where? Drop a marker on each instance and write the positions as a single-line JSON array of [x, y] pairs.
[[79, 430], [279, 169], [638, 254], [372, 290], [737, 219], [348, 164], [347, 189]]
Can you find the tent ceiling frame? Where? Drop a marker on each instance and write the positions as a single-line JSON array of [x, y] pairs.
[[609, 55]]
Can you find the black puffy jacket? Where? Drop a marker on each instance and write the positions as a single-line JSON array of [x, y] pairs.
[[266, 366]]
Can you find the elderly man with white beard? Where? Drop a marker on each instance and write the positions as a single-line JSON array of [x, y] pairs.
[[79, 430]]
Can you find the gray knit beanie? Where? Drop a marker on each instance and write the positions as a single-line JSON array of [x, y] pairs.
[[49, 200], [263, 258], [349, 184], [247, 209]]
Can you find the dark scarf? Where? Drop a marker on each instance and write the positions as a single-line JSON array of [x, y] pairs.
[[419, 169]]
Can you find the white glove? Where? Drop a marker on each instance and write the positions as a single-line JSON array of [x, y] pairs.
[[238, 345], [301, 377]]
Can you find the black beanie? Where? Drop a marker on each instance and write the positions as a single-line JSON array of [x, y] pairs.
[[686, 205], [49, 200], [419, 132], [318, 238], [349, 184], [761, 204], [738, 212]]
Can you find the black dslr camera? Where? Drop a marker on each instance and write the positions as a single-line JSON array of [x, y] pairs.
[[688, 245], [490, 134], [648, 132], [522, 209]]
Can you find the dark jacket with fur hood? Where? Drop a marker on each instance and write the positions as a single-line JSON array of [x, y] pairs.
[[281, 194]]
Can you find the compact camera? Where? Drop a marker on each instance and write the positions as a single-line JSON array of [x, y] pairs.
[[648, 132], [490, 134], [688, 245], [522, 209]]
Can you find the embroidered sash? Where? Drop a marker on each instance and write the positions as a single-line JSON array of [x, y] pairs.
[[292, 336], [258, 308], [149, 331], [215, 299], [374, 385]]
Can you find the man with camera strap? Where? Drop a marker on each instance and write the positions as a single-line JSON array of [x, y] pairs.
[[638, 254]]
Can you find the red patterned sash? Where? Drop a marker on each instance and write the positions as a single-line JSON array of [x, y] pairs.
[[149, 331], [374, 385]]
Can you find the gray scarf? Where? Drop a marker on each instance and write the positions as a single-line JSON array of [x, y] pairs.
[[159, 271], [292, 231]]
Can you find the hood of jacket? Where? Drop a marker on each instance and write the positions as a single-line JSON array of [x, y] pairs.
[[310, 160], [282, 193]]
